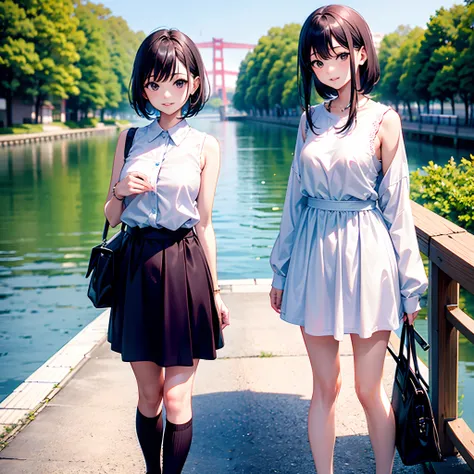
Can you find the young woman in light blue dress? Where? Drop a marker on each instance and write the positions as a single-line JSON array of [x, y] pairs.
[[346, 260]]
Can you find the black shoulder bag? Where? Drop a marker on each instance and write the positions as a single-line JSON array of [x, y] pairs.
[[416, 436], [104, 257]]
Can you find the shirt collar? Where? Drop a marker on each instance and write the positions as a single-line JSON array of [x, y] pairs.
[[177, 133]]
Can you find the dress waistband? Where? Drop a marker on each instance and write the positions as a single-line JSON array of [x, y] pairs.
[[331, 205]]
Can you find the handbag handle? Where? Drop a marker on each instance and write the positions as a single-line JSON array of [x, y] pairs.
[[128, 145], [408, 331]]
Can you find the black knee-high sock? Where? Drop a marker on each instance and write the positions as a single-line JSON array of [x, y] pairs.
[[150, 435], [176, 444]]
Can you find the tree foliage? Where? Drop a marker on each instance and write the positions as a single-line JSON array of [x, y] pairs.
[[267, 76], [418, 65], [447, 190], [65, 49], [435, 64]]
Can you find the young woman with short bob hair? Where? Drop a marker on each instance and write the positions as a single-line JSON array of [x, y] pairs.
[[168, 313]]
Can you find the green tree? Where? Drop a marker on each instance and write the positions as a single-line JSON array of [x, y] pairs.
[[391, 64], [122, 44], [284, 68], [56, 40], [242, 84], [18, 58], [442, 30], [268, 71], [464, 63], [106, 60], [408, 52], [93, 60], [445, 84]]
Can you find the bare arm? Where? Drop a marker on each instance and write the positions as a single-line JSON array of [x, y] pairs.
[[389, 135], [113, 207], [204, 229], [205, 201]]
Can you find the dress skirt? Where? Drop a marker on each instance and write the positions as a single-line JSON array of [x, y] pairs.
[[164, 309]]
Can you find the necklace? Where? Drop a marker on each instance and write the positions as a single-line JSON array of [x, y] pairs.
[[338, 109]]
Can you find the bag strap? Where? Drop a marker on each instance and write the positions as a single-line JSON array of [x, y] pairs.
[[128, 145], [129, 141]]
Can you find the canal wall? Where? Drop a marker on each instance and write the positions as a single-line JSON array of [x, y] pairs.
[[20, 139], [459, 136]]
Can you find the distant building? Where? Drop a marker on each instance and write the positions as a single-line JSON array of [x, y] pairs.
[[24, 112], [377, 37]]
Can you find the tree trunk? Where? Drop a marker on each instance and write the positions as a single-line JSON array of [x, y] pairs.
[[442, 106], [419, 109], [38, 102], [452, 106], [466, 110], [9, 100], [409, 111], [102, 113]]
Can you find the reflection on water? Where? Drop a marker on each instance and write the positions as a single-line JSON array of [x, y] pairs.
[[53, 194]]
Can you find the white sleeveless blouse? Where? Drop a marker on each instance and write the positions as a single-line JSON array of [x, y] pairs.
[[172, 161]]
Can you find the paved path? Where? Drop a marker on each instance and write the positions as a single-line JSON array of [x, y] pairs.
[[250, 410]]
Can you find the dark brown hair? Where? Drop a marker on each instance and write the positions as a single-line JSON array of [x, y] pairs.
[[352, 32], [157, 58]]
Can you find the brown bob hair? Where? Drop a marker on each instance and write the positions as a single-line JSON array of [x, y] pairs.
[[352, 32], [157, 58]]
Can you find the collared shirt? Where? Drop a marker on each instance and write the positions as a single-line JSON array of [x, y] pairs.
[[172, 161]]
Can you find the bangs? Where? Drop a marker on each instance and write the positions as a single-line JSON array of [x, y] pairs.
[[161, 61], [318, 38], [350, 31], [158, 59]]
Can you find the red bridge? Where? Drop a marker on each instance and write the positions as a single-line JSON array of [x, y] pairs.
[[218, 45]]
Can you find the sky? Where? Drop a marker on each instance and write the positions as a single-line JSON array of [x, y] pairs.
[[245, 21]]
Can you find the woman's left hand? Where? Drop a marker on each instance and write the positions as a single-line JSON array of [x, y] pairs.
[[223, 311], [411, 317]]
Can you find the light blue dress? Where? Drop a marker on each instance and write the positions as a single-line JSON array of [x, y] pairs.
[[347, 256]]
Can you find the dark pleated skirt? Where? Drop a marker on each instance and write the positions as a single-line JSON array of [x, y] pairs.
[[164, 309]]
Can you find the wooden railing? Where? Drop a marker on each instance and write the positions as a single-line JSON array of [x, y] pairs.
[[450, 250]]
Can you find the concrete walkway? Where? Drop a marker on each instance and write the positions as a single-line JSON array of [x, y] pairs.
[[250, 409]]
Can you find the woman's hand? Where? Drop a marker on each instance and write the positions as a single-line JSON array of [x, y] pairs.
[[133, 183], [411, 317], [275, 299], [222, 311]]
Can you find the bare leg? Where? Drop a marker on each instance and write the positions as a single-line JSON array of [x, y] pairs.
[[150, 381], [323, 352], [178, 390], [369, 357]]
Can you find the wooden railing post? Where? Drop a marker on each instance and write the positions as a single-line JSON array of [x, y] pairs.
[[443, 365]]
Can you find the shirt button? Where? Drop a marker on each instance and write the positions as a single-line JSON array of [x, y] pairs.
[[157, 164]]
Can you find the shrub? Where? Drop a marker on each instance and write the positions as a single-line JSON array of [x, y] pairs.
[[22, 128], [447, 190]]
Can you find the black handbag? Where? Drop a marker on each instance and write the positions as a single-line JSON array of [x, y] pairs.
[[417, 438], [104, 257]]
